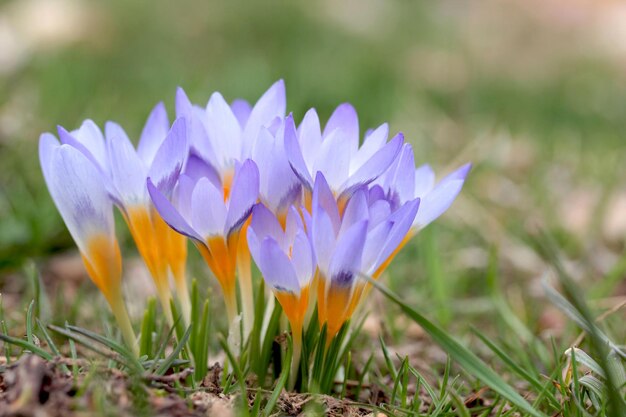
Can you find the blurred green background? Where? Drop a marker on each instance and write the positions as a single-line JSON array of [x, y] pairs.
[[533, 92]]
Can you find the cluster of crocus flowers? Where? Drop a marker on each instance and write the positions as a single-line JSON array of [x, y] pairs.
[[315, 208]]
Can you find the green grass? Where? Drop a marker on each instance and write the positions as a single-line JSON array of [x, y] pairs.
[[546, 139]]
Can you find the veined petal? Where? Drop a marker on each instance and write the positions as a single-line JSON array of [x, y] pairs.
[[356, 210], [170, 215], [345, 119], [48, 144], [402, 220], [197, 168], [371, 144], [334, 159], [241, 109], [128, 172], [90, 136], [424, 180], [277, 268], [436, 202], [208, 212], [373, 245], [293, 224], [91, 145], [296, 160], [272, 104], [375, 166], [323, 239], [244, 194], [170, 158], [347, 256], [223, 129], [265, 224], [279, 186], [302, 258], [153, 133], [379, 210], [183, 194], [323, 199], [77, 189], [310, 135], [400, 178], [198, 139]]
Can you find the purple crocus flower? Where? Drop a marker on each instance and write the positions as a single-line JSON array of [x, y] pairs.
[[335, 152], [280, 188], [403, 182], [223, 136], [160, 155], [357, 241], [212, 216], [80, 195], [284, 255]]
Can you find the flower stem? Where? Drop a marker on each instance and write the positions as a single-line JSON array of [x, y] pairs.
[[245, 285], [121, 316], [296, 334]]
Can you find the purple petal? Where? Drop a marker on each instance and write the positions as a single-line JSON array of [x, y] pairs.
[[265, 224], [223, 129], [400, 178], [436, 202], [356, 210], [373, 246], [241, 109], [91, 145], [310, 137], [153, 133], [375, 166], [198, 139], [271, 105], [183, 194], [170, 158], [379, 210], [208, 212], [47, 146], [78, 192], [402, 221], [424, 180], [347, 256], [244, 194], [345, 119], [323, 238], [323, 199], [293, 224], [170, 215], [90, 136], [128, 172], [197, 168], [296, 159], [276, 267], [302, 258], [334, 159], [279, 186], [372, 144]]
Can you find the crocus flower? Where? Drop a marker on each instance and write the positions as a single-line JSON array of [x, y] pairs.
[[80, 195], [403, 182], [350, 243], [279, 187], [161, 155], [212, 218], [284, 256], [223, 136], [335, 152]]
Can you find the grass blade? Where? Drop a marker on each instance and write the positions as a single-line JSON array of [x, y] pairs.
[[467, 359]]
